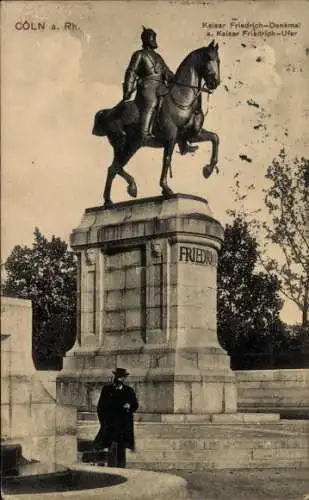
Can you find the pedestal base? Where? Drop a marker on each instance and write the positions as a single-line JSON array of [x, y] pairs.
[[166, 380]]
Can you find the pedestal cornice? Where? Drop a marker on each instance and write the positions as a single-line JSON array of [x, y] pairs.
[[146, 219]]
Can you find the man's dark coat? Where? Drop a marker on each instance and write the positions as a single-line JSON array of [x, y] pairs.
[[116, 422]]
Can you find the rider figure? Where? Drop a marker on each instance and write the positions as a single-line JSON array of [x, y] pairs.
[[146, 73]]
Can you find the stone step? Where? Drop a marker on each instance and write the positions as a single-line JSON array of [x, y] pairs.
[[224, 458], [250, 418], [88, 430], [86, 416], [286, 412], [233, 418], [206, 445], [247, 418], [211, 455], [183, 444], [234, 457], [292, 426], [197, 466]]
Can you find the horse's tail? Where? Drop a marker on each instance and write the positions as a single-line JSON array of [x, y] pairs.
[[126, 113], [101, 120]]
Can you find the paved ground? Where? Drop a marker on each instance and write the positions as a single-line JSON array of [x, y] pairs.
[[273, 484]]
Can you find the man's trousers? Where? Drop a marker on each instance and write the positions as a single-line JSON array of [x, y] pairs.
[[116, 455]]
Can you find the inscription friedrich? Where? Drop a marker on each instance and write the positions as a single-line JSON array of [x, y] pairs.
[[197, 256]]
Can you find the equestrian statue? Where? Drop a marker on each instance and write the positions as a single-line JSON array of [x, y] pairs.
[[166, 110]]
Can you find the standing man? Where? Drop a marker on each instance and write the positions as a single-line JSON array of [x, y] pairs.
[[146, 73], [115, 410]]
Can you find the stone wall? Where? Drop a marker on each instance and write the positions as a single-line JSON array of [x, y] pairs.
[[30, 414], [283, 391]]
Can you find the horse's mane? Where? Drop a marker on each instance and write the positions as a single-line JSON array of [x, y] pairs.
[[192, 55]]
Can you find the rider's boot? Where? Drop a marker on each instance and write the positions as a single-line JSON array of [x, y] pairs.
[[145, 134], [185, 147], [146, 137], [146, 127]]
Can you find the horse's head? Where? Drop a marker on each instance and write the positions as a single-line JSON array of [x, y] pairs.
[[210, 65]]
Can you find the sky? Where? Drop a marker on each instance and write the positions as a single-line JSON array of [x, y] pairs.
[[54, 80]]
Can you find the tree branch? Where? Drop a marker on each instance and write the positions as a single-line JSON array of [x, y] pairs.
[[290, 296]]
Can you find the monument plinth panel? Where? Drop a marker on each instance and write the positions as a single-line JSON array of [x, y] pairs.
[[147, 301]]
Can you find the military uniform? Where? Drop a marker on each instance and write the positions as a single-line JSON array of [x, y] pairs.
[[147, 73]]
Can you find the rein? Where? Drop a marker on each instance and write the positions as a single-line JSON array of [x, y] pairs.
[[203, 89], [200, 90]]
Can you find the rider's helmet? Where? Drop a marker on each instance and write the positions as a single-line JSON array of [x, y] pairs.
[[149, 38]]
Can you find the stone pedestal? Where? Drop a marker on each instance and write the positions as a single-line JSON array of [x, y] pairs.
[[30, 414], [147, 302]]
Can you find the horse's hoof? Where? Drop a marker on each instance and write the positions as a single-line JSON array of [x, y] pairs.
[[108, 204], [132, 189], [208, 170]]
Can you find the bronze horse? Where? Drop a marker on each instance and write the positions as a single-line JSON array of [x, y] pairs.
[[198, 72]]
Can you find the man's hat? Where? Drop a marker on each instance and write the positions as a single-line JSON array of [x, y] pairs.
[[120, 372]]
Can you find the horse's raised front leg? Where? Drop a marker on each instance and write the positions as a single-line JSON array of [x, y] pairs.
[[167, 164], [206, 136]]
